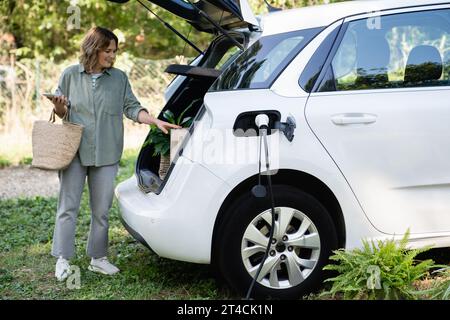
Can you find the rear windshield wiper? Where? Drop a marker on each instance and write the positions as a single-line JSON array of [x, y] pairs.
[[172, 28]]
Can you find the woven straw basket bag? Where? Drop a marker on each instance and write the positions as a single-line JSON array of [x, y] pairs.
[[55, 145]]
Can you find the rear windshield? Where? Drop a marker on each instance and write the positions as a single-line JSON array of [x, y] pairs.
[[261, 63]]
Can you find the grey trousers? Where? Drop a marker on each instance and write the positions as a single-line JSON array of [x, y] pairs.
[[101, 192]]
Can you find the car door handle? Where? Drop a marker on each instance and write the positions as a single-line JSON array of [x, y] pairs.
[[353, 118]]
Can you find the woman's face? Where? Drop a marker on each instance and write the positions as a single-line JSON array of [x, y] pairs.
[[107, 56]]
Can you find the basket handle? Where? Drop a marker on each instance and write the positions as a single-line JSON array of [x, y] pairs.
[[64, 118]]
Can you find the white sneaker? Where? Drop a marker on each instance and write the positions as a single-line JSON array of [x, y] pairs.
[[102, 265], [62, 269]]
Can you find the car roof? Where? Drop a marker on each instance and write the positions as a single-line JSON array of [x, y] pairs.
[[324, 15]]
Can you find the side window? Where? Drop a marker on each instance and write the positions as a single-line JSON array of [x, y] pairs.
[[403, 50], [312, 70]]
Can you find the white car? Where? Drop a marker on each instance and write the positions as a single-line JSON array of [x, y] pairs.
[[359, 95]]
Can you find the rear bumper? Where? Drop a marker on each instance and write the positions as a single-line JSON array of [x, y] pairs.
[[178, 223], [135, 234]]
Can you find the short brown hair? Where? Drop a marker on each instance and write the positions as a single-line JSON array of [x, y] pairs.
[[96, 39]]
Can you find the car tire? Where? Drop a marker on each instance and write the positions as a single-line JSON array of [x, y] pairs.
[[234, 261]]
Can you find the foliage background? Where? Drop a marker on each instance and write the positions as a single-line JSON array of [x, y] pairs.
[[37, 43], [40, 26]]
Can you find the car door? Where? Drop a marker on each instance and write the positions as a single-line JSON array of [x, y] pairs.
[[381, 109]]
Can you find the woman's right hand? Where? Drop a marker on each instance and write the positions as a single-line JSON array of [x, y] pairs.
[[60, 103]]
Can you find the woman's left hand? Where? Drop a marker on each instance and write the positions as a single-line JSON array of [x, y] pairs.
[[164, 126], [145, 117]]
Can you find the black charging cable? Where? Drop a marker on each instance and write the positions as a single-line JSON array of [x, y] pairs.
[[259, 191]]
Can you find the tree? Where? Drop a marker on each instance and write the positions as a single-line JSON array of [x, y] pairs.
[[40, 26]]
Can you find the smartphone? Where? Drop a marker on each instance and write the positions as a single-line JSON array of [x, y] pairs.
[[50, 95]]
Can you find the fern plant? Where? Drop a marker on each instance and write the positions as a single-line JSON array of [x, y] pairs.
[[381, 270]]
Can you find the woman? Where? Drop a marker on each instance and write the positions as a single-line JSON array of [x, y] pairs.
[[96, 95]]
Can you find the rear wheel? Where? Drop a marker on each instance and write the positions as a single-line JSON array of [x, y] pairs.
[[304, 236]]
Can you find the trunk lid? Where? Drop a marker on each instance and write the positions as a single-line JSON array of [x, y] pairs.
[[228, 14]]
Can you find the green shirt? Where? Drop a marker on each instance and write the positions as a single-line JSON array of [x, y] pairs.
[[100, 110]]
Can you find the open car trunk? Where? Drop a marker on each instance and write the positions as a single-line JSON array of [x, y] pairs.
[[212, 16], [193, 88], [228, 14]]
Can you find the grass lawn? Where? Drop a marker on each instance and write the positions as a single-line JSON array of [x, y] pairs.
[[27, 268]]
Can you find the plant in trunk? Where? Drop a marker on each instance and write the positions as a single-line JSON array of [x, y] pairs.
[[161, 141], [382, 270]]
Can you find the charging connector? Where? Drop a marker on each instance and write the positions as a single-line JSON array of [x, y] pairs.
[[262, 121], [259, 191]]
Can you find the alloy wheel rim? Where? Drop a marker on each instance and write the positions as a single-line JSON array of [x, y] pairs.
[[293, 254]]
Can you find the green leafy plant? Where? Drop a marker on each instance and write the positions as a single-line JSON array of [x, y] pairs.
[[160, 140], [382, 270], [26, 161], [4, 163]]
